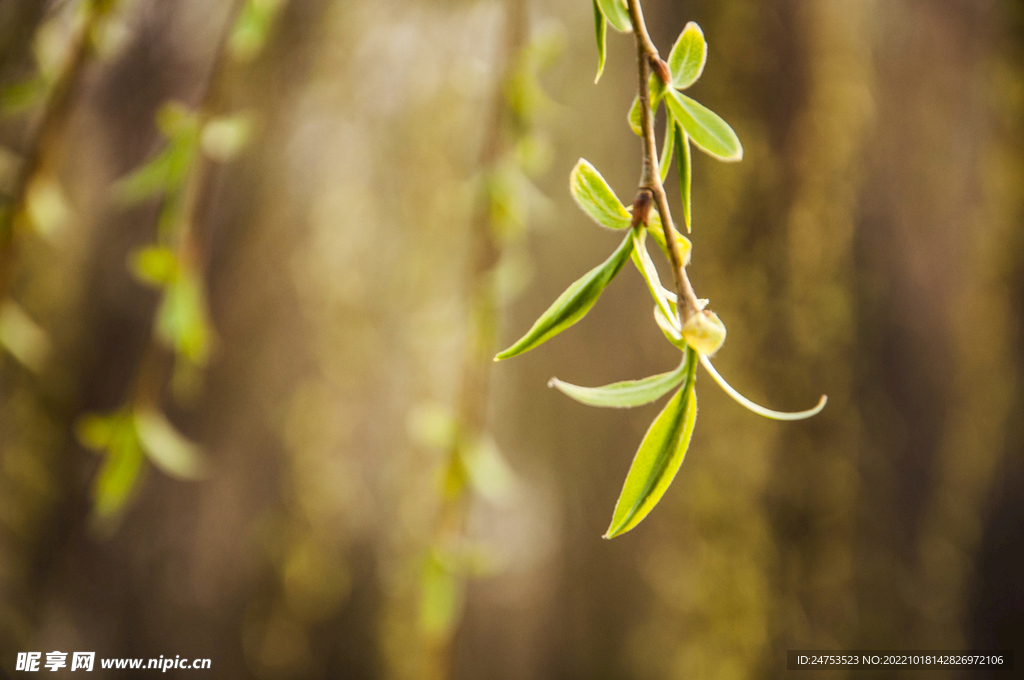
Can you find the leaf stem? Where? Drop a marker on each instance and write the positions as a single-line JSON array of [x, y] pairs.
[[650, 178]]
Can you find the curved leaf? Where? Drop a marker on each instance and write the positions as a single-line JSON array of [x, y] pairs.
[[166, 447], [760, 410], [574, 303], [644, 264], [659, 456], [617, 14], [688, 55], [683, 151], [705, 127], [625, 394], [601, 34], [596, 198], [667, 144]]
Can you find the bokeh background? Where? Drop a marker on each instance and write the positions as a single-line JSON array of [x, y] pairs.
[[401, 207]]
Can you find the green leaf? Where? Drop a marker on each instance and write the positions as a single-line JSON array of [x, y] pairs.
[[182, 321], [646, 267], [122, 462], [596, 198], [601, 34], [154, 265], [617, 15], [705, 127], [667, 145], [574, 303], [688, 55], [657, 90], [442, 598], [625, 394], [22, 337], [657, 232], [166, 447], [669, 328], [659, 456], [685, 171], [223, 137]]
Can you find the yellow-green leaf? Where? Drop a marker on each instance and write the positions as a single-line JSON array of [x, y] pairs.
[[574, 303], [705, 127], [166, 447], [601, 34], [657, 90], [154, 265], [667, 145], [688, 55], [659, 456], [596, 198], [625, 394], [617, 14], [683, 152]]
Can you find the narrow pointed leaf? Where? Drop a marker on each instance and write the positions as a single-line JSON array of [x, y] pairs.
[[760, 410], [625, 394], [667, 145], [601, 34], [683, 151], [644, 264], [617, 14], [705, 127], [687, 58], [574, 303], [596, 198], [659, 456]]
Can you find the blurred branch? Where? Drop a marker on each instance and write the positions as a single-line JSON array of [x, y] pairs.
[[55, 110], [650, 179]]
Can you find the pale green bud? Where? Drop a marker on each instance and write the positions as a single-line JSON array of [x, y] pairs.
[[704, 332]]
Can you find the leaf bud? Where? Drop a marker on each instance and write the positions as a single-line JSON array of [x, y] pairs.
[[704, 332]]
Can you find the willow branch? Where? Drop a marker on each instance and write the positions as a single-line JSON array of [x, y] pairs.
[[650, 179], [48, 129]]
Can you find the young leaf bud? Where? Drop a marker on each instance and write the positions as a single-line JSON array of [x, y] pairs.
[[704, 332]]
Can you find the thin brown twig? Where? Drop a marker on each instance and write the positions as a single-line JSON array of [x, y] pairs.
[[650, 179]]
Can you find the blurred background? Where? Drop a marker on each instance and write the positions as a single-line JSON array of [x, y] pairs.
[[256, 257]]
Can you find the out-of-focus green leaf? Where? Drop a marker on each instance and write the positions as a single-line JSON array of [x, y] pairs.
[[667, 145], [122, 462], [617, 14], [625, 394], [488, 471], [596, 198], [685, 163], [657, 232], [166, 447], [154, 265], [705, 127], [574, 303], [174, 118], [95, 431], [688, 55], [249, 34], [660, 454], [165, 172], [22, 96], [182, 321], [22, 337], [47, 206], [442, 595], [601, 34], [223, 137]]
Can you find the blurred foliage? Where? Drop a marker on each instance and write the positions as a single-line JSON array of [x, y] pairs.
[[868, 246]]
